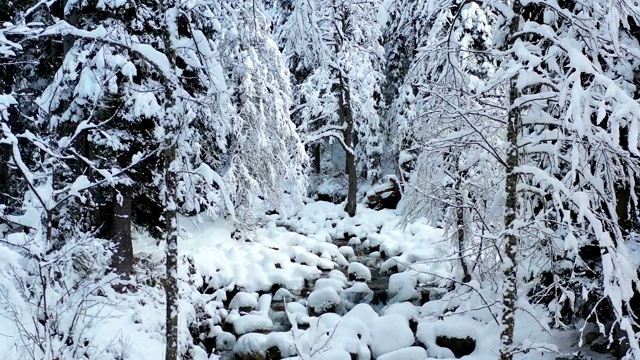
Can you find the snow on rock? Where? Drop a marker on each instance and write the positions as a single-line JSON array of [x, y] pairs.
[[296, 308], [250, 323], [282, 294], [335, 284], [410, 353], [402, 287], [335, 354], [362, 312], [390, 333], [354, 242], [352, 327], [244, 301], [404, 309], [251, 344], [358, 293], [225, 341], [459, 334], [347, 252], [338, 275], [323, 300], [390, 266], [264, 304], [358, 272]]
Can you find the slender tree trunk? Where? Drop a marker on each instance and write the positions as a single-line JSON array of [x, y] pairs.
[[346, 116], [461, 232], [120, 230], [170, 194], [171, 243], [317, 160], [510, 268]]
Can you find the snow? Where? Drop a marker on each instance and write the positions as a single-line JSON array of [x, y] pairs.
[[244, 300], [390, 333], [359, 272], [410, 353], [225, 264], [323, 299], [402, 287], [250, 323]]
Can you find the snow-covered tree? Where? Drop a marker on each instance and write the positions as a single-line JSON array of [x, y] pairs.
[[266, 155], [572, 131], [334, 48], [449, 130]]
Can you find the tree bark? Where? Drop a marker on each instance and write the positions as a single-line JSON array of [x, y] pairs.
[[317, 160], [510, 268], [171, 243], [346, 117], [461, 232], [120, 230], [169, 201]]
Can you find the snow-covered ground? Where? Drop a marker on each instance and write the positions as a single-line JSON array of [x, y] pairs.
[[235, 293]]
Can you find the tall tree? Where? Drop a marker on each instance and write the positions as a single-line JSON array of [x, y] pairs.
[[450, 128], [334, 47], [569, 102]]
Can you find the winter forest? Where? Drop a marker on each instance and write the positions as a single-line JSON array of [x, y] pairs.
[[319, 179]]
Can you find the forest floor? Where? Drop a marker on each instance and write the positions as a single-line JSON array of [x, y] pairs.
[[319, 285]]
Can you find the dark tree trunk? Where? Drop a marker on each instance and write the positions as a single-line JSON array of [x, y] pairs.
[[461, 232], [120, 231], [346, 116], [171, 243], [317, 157]]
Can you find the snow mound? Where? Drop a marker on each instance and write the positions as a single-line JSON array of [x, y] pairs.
[[244, 300], [251, 323], [359, 272], [402, 287], [410, 353], [323, 299], [390, 333]]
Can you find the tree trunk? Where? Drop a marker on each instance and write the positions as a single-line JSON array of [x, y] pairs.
[[317, 158], [169, 201], [350, 208], [171, 243], [510, 268], [120, 230], [462, 232], [346, 116]]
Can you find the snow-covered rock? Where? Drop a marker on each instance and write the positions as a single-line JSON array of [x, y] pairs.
[[225, 341], [251, 323], [244, 301], [402, 287], [335, 284], [390, 333], [358, 272], [364, 313], [450, 337], [323, 300], [347, 252], [410, 353], [358, 293]]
